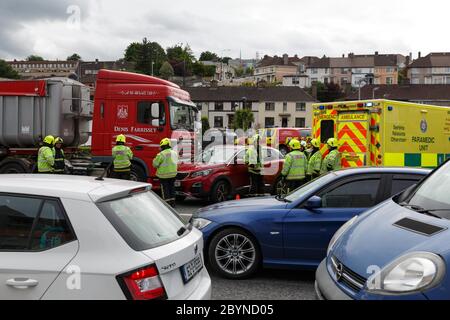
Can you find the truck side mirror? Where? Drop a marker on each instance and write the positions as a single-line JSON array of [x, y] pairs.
[[155, 122], [155, 111]]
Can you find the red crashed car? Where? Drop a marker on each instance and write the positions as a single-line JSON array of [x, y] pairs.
[[220, 173]]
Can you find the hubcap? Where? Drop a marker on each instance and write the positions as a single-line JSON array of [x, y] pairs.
[[222, 192], [235, 254]]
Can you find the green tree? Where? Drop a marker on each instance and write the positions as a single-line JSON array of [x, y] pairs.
[[147, 56], [74, 57], [208, 56], [205, 125], [326, 92], [166, 71], [239, 71], [249, 71], [225, 59], [34, 57], [199, 69], [182, 59], [243, 119], [6, 71], [402, 75]]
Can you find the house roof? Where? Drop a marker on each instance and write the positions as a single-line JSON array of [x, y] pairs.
[[358, 61], [278, 61], [254, 94], [436, 59], [410, 92]]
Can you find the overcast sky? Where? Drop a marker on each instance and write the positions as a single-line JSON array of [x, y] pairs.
[[103, 28]]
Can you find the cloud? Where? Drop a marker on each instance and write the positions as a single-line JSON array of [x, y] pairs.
[[226, 27]]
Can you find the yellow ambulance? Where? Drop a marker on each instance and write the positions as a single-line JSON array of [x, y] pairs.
[[384, 132]]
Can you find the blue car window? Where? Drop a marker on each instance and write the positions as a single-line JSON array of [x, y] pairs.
[[354, 194]]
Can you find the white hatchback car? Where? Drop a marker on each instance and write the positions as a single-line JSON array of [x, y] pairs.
[[69, 237]]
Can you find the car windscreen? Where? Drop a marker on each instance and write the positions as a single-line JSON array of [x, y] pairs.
[[433, 194], [306, 188], [143, 220], [182, 117], [218, 155]]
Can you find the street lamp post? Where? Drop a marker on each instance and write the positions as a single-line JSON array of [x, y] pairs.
[[373, 92], [152, 67]]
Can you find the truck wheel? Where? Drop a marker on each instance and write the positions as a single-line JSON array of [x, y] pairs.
[[234, 254], [12, 168], [220, 192], [137, 173], [284, 150]]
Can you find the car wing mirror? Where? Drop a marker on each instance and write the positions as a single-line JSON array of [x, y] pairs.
[[315, 202]]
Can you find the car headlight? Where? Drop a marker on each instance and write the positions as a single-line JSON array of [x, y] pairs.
[[200, 223], [202, 173], [413, 272], [339, 233]]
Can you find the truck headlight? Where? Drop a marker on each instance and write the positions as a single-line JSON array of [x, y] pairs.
[[202, 173], [340, 232], [412, 272], [200, 223]]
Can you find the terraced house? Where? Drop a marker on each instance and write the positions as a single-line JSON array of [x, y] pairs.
[[271, 107], [431, 69], [354, 69]]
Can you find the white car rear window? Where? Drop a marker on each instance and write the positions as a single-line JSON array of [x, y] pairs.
[[143, 220]]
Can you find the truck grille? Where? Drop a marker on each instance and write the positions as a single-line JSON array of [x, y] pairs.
[[346, 276], [182, 175]]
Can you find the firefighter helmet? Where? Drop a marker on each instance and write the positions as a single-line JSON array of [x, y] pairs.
[[49, 139], [165, 142], [121, 138], [315, 143], [333, 142], [59, 140], [294, 144]]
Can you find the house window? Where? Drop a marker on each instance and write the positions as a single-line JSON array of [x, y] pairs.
[[218, 122], [295, 80], [313, 80], [269, 122], [248, 105], [314, 71], [234, 106], [344, 81], [389, 80], [343, 70], [390, 70], [284, 106], [300, 106], [415, 80], [300, 122], [218, 106], [270, 106]]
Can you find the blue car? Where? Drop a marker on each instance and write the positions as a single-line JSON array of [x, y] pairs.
[[293, 232], [398, 250]]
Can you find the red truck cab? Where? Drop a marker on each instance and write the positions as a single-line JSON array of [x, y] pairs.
[[279, 137], [145, 109]]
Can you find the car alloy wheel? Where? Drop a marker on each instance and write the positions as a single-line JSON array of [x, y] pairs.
[[235, 254], [221, 191]]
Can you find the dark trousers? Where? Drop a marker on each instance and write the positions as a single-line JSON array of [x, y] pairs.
[[168, 190], [122, 175], [294, 184], [256, 184]]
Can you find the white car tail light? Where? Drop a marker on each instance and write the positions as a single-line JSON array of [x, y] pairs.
[[142, 284]]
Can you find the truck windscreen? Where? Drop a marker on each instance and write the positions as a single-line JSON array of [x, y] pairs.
[[182, 116]]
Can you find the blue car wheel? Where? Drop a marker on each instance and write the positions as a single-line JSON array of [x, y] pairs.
[[234, 254]]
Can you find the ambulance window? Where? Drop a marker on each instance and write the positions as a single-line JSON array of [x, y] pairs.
[[144, 112], [326, 130]]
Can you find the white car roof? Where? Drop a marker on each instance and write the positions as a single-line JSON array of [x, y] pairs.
[[66, 186]]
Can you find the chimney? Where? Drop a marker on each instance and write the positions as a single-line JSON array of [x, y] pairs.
[[420, 55], [350, 55], [343, 55], [407, 60], [285, 59], [376, 53]]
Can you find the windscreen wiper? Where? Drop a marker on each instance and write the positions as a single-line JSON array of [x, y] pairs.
[[280, 198], [419, 209]]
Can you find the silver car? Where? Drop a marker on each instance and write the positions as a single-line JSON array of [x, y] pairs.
[[69, 237]]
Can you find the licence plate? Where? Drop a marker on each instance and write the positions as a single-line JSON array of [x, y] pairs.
[[190, 269], [177, 183]]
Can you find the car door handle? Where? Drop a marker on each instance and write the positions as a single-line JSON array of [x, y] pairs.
[[139, 148], [21, 283]]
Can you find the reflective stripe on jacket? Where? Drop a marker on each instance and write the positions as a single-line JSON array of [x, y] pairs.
[[122, 156], [314, 163], [295, 165], [60, 164], [46, 160], [166, 164], [251, 160], [331, 162]]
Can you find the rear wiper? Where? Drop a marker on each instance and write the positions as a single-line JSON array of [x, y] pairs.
[[181, 231], [419, 209]]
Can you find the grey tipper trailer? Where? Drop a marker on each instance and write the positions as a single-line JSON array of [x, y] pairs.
[[31, 110]]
